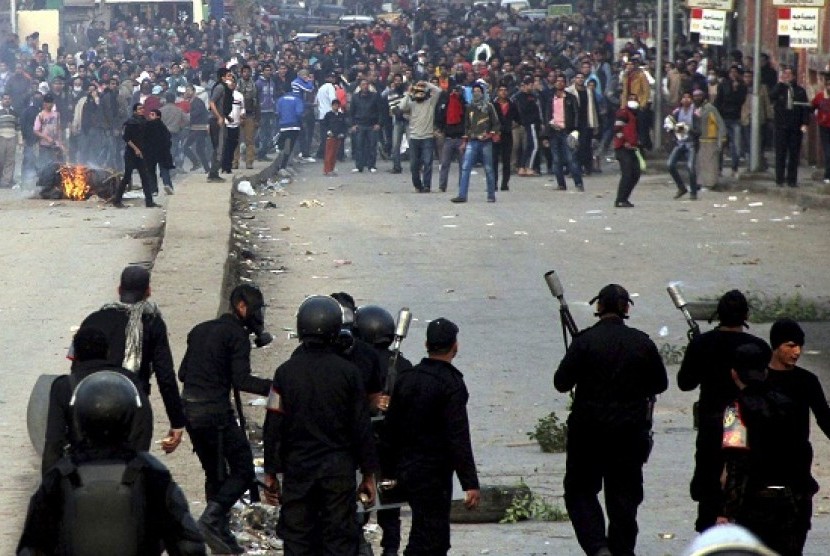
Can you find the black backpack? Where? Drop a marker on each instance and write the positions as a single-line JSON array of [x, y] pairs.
[[104, 508]]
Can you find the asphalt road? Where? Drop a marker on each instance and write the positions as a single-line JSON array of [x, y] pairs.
[[479, 264]]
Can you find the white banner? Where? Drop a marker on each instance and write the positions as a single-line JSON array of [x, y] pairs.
[[725, 5], [709, 24], [801, 25]]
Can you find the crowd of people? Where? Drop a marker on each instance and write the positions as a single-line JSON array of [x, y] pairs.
[[555, 87]]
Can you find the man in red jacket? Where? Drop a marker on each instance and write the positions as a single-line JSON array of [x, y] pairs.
[[821, 103], [625, 149]]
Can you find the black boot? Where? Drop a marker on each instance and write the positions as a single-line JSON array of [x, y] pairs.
[[215, 528]]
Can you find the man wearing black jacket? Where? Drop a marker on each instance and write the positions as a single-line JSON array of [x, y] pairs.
[[317, 434], [133, 136], [428, 433], [707, 364], [137, 339], [615, 370], [792, 114], [562, 114], [503, 148], [218, 358], [530, 116], [729, 101], [365, 113]]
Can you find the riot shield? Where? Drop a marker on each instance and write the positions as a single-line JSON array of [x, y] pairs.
[[37, 411]]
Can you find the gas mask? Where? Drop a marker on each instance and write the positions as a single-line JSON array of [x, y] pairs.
[[254, 323]]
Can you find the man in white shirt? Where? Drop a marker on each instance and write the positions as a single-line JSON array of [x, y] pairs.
[[232, 122]]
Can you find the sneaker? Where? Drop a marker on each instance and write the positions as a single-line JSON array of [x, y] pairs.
[[215, 179], [119, 205], [356, 170], [623, 204], [491, 199], [373, 170], [458, 200], [168, 189], [505, 188], [680, 193], [153, 205], [580, 188], [693, 196], [562, 188], [309, 159]]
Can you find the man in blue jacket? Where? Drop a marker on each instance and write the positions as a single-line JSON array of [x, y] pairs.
[[290, 108]]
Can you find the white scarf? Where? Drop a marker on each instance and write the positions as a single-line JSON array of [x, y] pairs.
[[134, 331]]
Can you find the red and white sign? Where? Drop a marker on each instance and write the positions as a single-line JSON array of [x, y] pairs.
[[708, 24], [801, 25]]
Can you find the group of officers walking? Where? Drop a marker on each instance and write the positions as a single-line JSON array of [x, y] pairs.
[[753, 454], [102, 493]]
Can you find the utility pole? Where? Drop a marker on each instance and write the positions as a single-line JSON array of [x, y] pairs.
[[755, 124], [671, 31], [658, 76]]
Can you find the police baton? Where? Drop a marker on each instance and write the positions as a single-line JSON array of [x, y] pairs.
[[401, 330], [254, 488], [568, 324]]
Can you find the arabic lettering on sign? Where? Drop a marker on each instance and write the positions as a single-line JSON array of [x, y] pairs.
[[726, 5], [809, 3]]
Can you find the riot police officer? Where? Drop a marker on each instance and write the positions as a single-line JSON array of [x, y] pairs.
[[357, 351], [707, 363], [106, 498], [90, 348], [616, 371], [218, 359], [317, 434], [428, 431], [376, 326]]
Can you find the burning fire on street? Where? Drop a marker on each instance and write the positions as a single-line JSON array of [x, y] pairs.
[[75, 182]]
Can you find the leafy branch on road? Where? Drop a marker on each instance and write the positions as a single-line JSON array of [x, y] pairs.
[[550, 433], [527, 506]]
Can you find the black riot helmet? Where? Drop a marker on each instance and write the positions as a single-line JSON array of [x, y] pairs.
[[103, 406], [375, 325], [254, 320], [319, 319]]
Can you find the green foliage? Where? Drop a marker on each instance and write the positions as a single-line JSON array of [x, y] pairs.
[[672, 354], [767, 308], [529, 506], [550, 433]]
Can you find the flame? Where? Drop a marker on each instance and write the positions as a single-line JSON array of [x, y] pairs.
[[75, 182]]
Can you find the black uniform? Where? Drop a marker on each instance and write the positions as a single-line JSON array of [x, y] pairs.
[[388, 520], [166, 515], [156, 357], [317, 434], [707, 364], [768, 486], [428, 433], [218, 357], [60, 428], [615, 370]]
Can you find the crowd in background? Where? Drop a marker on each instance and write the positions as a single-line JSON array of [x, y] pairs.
[[172, 65]]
